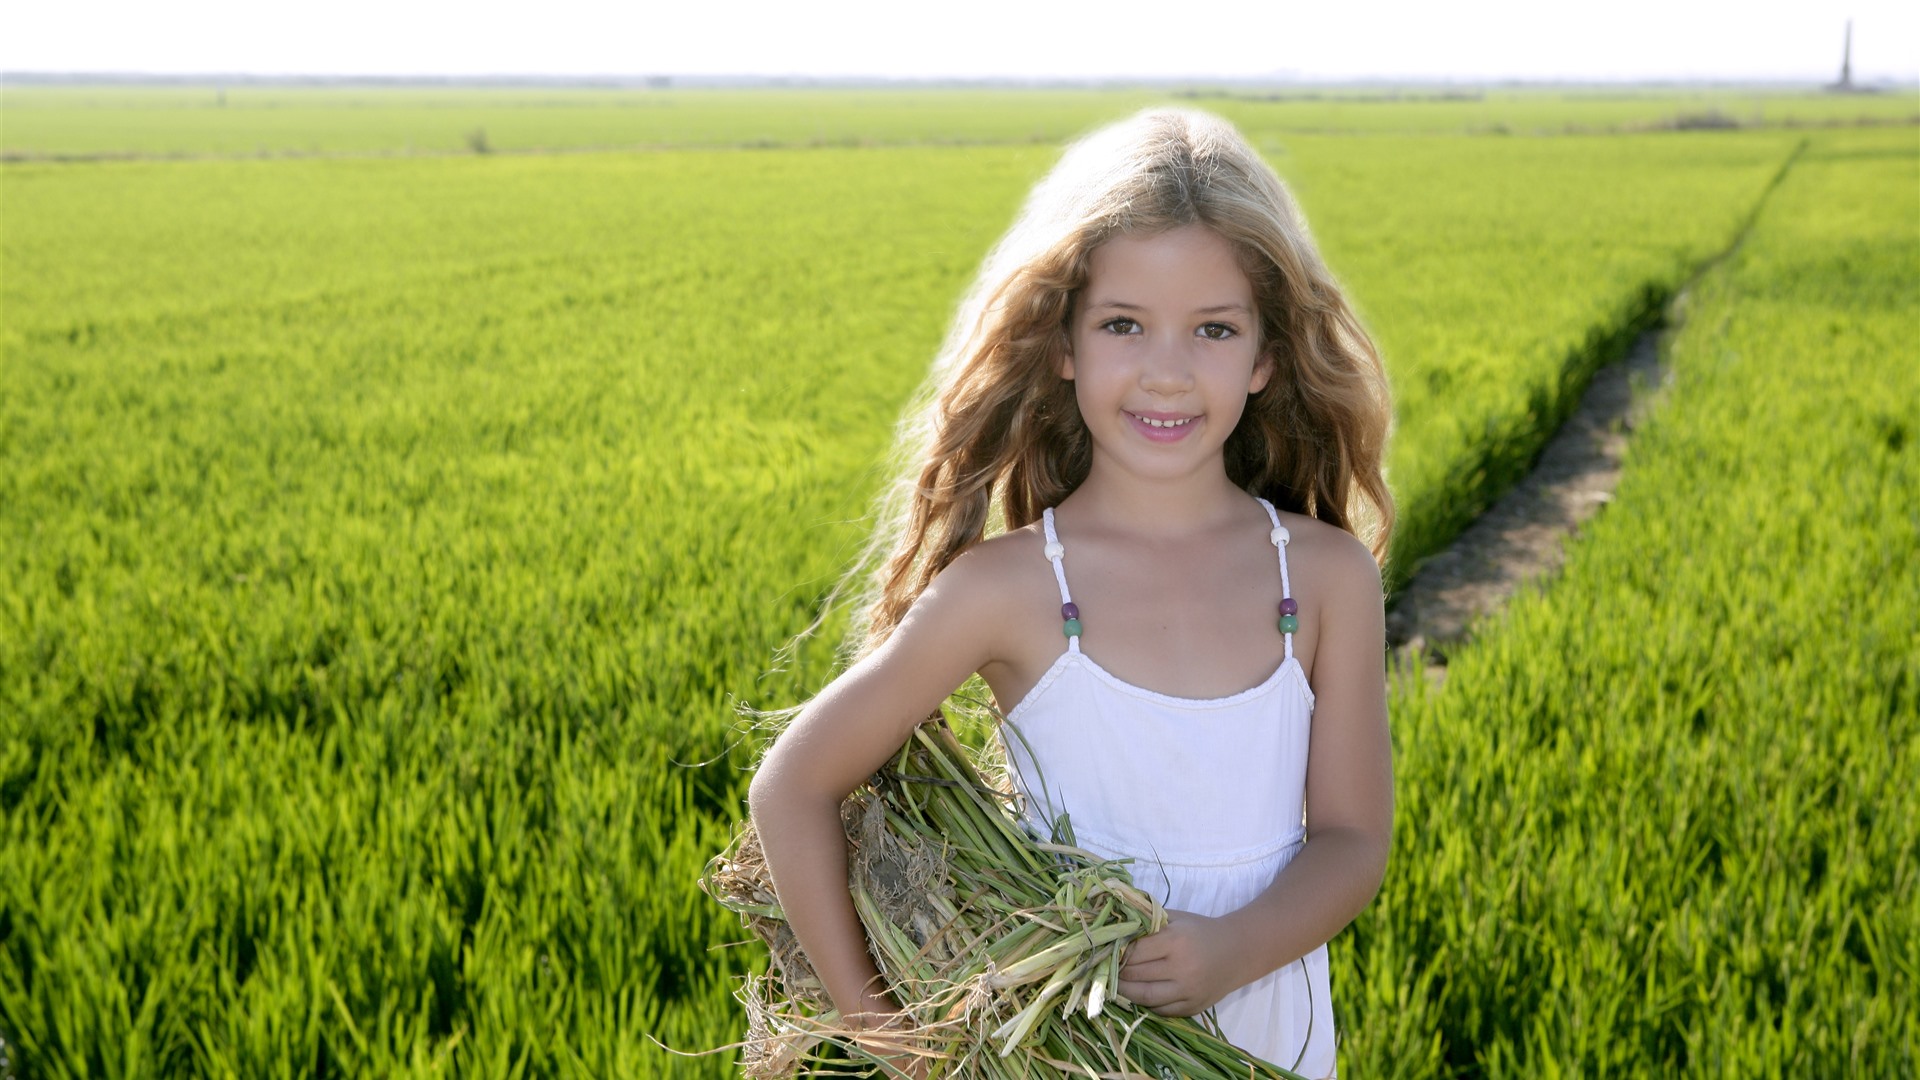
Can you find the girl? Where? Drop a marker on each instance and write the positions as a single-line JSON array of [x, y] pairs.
[[1157, 388]]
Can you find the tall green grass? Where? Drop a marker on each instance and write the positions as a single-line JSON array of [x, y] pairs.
[[1661, 818], [1498, 275], [385, 540], [361, 604]]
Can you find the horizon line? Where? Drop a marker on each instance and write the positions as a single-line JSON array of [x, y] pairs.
[[673, 80]]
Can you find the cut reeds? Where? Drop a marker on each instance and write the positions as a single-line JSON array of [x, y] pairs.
[[1003, 949]]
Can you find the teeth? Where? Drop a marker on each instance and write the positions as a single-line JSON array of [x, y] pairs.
[[1151, 422]]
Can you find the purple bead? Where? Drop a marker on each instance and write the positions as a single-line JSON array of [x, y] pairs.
[[1069, 611], [1288, 607]]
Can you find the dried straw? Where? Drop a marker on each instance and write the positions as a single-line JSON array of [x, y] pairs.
[[1004, 949]]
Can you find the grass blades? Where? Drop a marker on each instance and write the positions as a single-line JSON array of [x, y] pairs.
[[384, 541], [1659, 818]]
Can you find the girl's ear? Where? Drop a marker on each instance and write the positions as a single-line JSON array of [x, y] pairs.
[[1262, 373], [1063, 357]]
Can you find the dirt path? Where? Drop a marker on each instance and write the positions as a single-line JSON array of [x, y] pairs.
[[1523, 536]]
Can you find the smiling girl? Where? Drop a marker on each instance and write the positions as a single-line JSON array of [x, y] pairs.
[[1160, 391]]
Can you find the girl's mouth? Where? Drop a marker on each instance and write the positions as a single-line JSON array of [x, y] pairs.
[[1163, 428]]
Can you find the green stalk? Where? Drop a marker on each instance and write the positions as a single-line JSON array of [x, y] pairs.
[[1015, 1030], [1034, 967]]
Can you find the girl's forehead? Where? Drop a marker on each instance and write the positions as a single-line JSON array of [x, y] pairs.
[[1188, 258]]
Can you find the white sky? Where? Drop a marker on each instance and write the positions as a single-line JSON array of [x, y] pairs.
[[1303, 39]]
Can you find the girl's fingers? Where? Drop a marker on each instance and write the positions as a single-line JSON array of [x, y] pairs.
[[1145, 973], [1158, 995], [1143, 992], [1147, 960]]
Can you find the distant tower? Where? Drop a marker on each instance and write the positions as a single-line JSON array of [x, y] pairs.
[[1845, 85], [1846, 60]]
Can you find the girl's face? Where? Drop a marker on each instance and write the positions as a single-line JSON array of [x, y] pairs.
[[1164, 349]]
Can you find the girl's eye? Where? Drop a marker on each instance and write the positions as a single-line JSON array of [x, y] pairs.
[[1217, 331], [1120, 326]]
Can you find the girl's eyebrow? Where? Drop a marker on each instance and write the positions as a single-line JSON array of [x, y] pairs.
[[1216, 309]]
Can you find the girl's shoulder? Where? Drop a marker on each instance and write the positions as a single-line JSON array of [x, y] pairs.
[[992, 575], [989, 596], [1001, 564], [1331, 554], [1343, 608]]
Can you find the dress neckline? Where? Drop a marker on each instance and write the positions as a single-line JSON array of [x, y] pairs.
[[1075, 657]]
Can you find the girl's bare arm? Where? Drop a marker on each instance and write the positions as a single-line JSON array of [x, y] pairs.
[[838, 740], [1189, 966]]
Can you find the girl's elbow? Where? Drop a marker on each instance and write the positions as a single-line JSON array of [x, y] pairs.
[[1375, 848], [757, 793], [780, 787], [1365, 859], [766, 793], [1377, 875]]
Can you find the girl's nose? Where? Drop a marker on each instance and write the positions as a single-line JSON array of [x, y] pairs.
[[1167, 368]]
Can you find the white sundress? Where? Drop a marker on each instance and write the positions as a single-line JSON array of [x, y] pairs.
[[1207, 796]]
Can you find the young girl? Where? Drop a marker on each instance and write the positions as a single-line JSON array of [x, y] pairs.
[[1159, 391]]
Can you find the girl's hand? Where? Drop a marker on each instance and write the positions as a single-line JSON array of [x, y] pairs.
[[1184, 968], [884, 1033]]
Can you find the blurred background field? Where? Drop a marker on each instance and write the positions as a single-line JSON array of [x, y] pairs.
[[274, 119], [390, 530]]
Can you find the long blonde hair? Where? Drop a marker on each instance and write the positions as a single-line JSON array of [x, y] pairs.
[[995, 436]]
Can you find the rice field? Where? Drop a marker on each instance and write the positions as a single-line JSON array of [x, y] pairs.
[[1660, 819], [387, 541], [245, 119]]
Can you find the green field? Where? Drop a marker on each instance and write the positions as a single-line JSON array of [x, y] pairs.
[[387, 540], [1661, 817], [268, 120]]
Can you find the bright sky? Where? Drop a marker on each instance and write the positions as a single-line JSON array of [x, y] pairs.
[[1295, 39]]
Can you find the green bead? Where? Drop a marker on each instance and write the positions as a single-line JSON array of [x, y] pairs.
[[1289, 623], [1072, 628]]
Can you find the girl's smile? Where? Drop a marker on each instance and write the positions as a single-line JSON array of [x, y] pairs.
[[1162, 427]]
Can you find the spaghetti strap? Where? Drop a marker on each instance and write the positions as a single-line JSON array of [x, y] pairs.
[[1280, 537], [1069, 612]]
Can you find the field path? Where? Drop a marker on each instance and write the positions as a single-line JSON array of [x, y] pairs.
[[1522, 537]]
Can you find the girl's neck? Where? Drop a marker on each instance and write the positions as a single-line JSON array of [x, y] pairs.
[[1158, 509]]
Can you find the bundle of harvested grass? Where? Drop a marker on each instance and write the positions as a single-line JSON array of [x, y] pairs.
[[1004, 950]]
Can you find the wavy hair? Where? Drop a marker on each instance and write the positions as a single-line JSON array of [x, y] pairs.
[[995, 435]]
